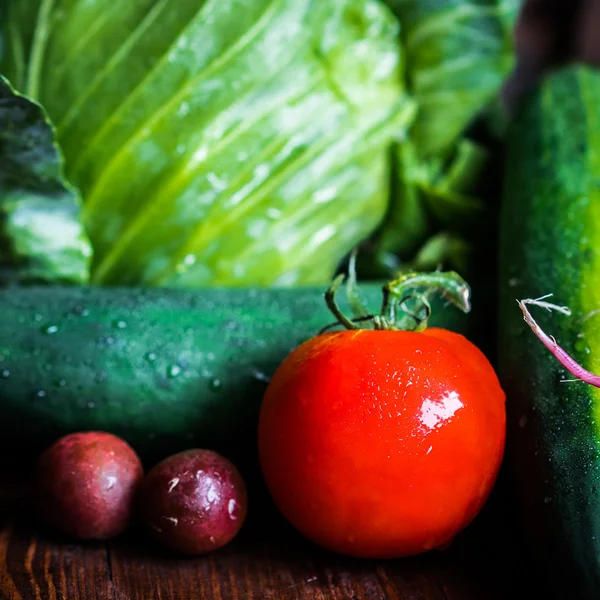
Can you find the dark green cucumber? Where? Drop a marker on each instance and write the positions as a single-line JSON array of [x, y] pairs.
[[165, 369], [550, 243]]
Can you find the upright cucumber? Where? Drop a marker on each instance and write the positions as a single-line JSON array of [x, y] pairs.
[[550, 243], [165, 369]]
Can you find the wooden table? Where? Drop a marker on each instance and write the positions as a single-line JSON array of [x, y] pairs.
[[266, 561]]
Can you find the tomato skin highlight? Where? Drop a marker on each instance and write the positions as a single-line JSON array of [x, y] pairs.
[[382, 443]]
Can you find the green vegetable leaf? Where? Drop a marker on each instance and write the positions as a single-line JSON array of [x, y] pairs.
[[448, 188], [458, 53], [442, 249], [41, 235], [432, 194], [434, 203], [408, 223], [219, 142]]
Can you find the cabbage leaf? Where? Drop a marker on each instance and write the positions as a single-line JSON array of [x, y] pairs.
[[218, 142], [431, 196], [41, 234], [458, 53]]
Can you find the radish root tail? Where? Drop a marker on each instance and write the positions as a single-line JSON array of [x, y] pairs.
[[561, 355]]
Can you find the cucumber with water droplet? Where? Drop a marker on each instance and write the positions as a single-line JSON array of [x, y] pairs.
[[164, 369], [550, 243]]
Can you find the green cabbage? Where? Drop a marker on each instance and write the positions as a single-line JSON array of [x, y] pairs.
[[256, 142], [41, 236], [217, 142], [434, 209], [458, 53]]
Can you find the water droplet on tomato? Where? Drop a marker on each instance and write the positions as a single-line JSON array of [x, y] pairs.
[[435, 412]]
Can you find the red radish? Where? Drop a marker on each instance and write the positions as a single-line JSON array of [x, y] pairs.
[[193, 502], [85, 484]]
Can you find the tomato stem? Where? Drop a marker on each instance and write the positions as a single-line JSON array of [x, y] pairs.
[[405, 304], [333, 305], [451, 285]]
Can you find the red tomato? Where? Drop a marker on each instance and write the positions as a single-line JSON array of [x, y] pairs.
[[382, 443]]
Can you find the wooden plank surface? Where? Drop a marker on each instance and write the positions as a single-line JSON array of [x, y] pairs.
[[267, 561]]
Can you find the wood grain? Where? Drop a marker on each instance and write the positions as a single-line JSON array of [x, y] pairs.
[[268, 561]]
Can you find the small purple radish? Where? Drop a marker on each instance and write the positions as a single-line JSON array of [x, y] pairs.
[[85, 483], [193, 502]]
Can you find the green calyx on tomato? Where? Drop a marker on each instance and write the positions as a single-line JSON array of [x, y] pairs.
[[405, 305]]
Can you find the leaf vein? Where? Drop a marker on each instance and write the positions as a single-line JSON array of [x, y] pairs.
[[162, 110]]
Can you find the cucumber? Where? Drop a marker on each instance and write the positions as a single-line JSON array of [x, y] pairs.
[[164, 369], [550, 243]]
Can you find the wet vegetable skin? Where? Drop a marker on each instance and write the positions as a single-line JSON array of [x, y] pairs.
[[382, 443], [193, 502], [166, 370], [84, 485], [550, 243]]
